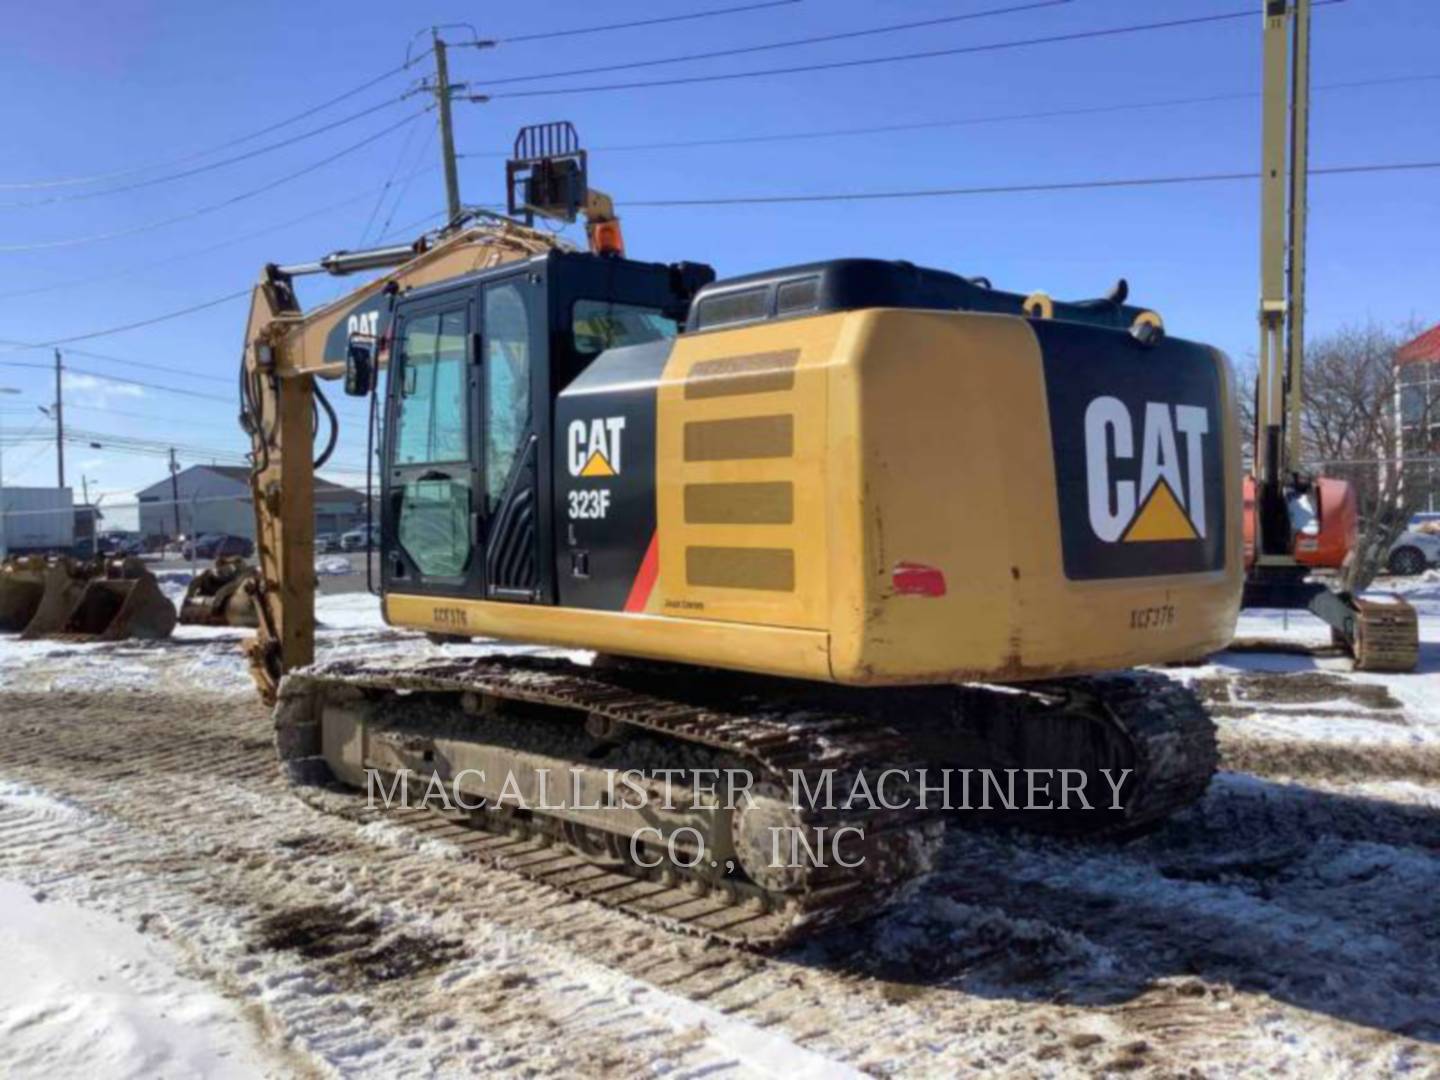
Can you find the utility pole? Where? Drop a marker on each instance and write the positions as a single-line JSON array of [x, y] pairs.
[[175, 490], [445, 91], [59, 424], [447, 130], [4, 548], [94, 515]]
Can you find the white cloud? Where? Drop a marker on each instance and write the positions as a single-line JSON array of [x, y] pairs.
[[96, 392]]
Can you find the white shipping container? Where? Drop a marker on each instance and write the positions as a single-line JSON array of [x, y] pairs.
[[37, 519]]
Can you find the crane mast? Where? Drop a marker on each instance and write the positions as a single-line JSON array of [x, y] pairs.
[[1285, 158], [1381, 637]]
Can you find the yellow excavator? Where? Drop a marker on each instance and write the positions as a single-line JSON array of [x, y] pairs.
[[825, 526]]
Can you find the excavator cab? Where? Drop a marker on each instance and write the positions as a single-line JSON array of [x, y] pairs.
[[469, 451]]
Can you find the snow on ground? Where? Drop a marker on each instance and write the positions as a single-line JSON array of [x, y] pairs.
[[86, 994], [1290, 698], [1285, 925], [209, 658]]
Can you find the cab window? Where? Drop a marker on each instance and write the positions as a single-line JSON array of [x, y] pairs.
[[507, 386], [607, 324], [430, 425]]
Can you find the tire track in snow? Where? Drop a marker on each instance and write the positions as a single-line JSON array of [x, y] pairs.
[[212, 838]]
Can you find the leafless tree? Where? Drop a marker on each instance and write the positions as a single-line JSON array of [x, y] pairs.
[[1352, 432]]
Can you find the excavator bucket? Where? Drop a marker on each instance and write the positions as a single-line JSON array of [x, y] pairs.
[[102, 602], [223, 595], [1379, 634], [65, 581], [22, 584], [1386, 636]]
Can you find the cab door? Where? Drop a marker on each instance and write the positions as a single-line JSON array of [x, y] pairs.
[[432, 493], [515, 409]]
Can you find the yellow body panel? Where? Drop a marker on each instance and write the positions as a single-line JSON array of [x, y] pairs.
[[943, 457], [800, 461], [746, 408], [804, 654]]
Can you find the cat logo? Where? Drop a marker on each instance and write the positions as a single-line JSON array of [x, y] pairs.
[[593, 446], [1168, 502], [363, 324]]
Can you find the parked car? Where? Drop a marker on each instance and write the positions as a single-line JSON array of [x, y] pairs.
[[118, 544], [326, 543], [360, 539], [1413, 553], [214, 545]]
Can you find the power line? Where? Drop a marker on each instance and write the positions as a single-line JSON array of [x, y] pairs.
[[127, 271], [712, 13], [135, 504], [145, 365], [137, 382], [168, 177], [390, 179], [869, 61], [16, 347], [409, 226], [111, 441], [790, 43], [219, 147], [162, 448], [405, 186], [212, 207], [152, 417], [162, 368], [216, 302], [967, 121], [1009, 189], [120, 380]]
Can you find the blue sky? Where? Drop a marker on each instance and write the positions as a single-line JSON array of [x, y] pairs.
[[129, 84]]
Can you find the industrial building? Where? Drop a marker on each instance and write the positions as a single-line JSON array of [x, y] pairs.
[[216, 499]]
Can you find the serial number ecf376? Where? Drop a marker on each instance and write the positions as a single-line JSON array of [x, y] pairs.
[[1159, 617]]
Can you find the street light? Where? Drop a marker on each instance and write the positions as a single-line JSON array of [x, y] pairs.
[[4, 542]]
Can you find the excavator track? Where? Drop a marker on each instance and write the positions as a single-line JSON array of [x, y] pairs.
[[335, 720]]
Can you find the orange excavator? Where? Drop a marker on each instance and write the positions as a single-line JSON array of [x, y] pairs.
[[1325, 521]]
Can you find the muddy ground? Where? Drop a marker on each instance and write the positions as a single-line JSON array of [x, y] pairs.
[[1286, 924]]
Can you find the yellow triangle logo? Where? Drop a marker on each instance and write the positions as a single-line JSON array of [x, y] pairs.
[[1161, 518], [598, 465]]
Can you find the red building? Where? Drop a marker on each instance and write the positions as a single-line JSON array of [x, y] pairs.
[[1418, 362]]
